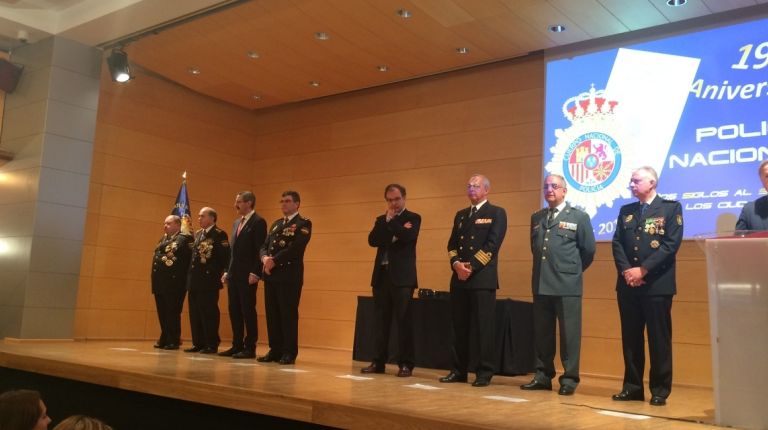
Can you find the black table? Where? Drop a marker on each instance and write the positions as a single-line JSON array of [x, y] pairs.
[[433, 334]]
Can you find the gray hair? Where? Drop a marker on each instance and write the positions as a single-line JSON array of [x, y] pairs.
[[486, 181], [650, 171]]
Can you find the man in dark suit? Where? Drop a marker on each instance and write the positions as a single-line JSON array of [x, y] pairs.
[[169, 280], [242, 277], [754, 215], [210, 256], [394, 236], [563, 246], [648, 234], [473, 248], [282, 255]]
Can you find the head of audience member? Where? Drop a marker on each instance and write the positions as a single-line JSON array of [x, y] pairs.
[[290, 202], [394, 194], [643, 183], [206, 217], [554, 190], [762, 171], [172, 225], [23, 410], [81, 422], [478, 188], [244, 202]]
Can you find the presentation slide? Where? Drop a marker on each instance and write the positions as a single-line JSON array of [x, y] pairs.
[[693, 106]]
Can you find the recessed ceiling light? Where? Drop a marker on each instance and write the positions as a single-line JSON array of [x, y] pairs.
[[252, 54], [256, 97], [462, 50], [321, 35], [404, 13], [193, 71], [382, 68], [557, 28], [314, 84], [675, 3]]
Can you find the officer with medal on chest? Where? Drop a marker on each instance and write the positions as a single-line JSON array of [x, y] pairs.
[[473, 249], [648, 235], [169, 279], [282, 255], [563, 246]]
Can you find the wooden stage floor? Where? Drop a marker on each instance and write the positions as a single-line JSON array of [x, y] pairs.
[[324, 387]]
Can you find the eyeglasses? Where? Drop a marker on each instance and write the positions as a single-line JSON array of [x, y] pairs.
[[474, 186], [554, 187]]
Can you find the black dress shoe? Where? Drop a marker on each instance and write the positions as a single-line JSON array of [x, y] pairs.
[[566, 390], [287, 359], [658, 401], [245, 354], [194, 349], [453, 377], [158, 345], [404, 372], [536, 385], [208, 350], [171, 346], [481, 382], [230, 352], [372, 368], [626, 396], [270, 357]]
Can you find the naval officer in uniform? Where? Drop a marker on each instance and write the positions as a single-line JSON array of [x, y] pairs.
[[473, 250], [563, 246], [648, 234]]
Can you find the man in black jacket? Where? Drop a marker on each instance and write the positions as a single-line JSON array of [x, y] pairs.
[[754, 215], [242, 276], [648, 234], [169, 280], [282, 255], [394, 236], [210, 256], [473, 250]]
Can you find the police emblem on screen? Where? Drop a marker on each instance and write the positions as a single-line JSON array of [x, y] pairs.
[[591, 154]]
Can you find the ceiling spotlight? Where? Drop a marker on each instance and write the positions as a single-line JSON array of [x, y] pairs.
[[675, 3], [194, 71], [462, 50], [252, 54], [404, 13], [314, 84], [382, 68], [321, 35], [118, 65], [557, 28]]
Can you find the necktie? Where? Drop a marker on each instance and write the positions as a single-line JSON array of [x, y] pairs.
[[643, 209], [240, 226], [472, 211], [285, 221], [551, 216]]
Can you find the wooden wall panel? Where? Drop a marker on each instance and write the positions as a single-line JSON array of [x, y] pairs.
[[430, 134]]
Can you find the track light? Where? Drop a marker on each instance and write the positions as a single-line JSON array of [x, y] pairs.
[[118, 65]]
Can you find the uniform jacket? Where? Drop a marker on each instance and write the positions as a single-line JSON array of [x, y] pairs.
[[650, 241], [170, 263], [399, 244], [210, 256], [286, 244], [245, 249], [754, 215], [477, 240], [562, 250]]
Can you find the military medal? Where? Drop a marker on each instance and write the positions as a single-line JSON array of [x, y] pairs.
[[281, 243], [654, 244], [628, 218], [169, 263]]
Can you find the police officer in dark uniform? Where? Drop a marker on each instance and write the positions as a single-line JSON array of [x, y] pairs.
[[169, 280], [283, 258], [210, 257], [473, 248], [648, 234], [563, 246]]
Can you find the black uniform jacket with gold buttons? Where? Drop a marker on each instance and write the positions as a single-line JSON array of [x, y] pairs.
[[650, 241], [170, 263], [210, 258], [562, 250], [286, 244], [477, 240]]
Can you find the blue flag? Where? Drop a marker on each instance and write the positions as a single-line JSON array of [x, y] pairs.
[[181, 208]]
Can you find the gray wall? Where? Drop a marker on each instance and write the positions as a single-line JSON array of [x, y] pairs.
[[49, 125]]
